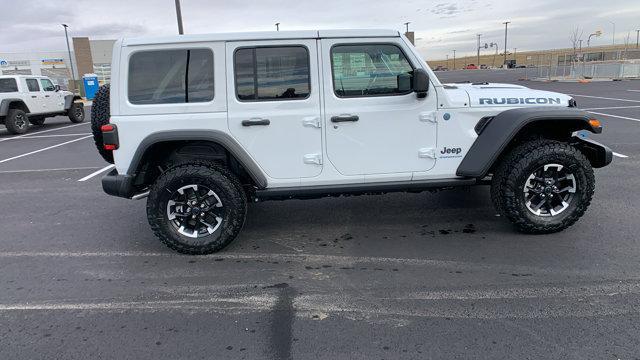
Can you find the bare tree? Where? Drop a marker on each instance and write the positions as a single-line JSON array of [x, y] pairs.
[[576, 36]]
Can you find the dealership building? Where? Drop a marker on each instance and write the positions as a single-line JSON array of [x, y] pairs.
[[89, 57]]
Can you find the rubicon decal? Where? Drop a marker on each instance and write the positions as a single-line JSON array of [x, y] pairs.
[[516, 101]]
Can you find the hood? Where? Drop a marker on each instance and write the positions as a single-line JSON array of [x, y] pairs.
[[509, 95]]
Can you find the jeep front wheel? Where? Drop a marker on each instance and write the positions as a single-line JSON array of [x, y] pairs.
[[543, 186], [196, 208], [16, 121], [76, 113]]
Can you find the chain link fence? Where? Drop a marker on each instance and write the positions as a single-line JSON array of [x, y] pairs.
[[620, 64]]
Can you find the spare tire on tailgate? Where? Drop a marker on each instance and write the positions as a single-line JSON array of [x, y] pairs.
[[100, 115]]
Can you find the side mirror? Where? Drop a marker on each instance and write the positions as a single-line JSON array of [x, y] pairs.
[[420, 83], [57, 87]]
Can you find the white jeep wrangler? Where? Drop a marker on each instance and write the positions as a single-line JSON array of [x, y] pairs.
[[204, 124], [28, 99]]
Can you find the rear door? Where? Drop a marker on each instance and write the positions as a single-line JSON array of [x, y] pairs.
[[34, 98], [274, 105]]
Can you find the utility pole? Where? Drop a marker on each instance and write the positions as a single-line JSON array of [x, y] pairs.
[[447, 61], [515, 61], [66, 36], [277, 26], [637, 37], [179, 16], [506, 23], [454, 59], [407, 25], [478, 64]]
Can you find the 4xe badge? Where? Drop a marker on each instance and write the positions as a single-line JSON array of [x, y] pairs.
[[450, 152]]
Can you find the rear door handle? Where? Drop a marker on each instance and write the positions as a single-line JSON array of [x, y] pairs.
[[254, 122], [344, 118], [46, 96], [34, 96]]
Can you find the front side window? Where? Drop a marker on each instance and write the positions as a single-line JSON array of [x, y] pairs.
[[8, 85], [272, 73], [32, 85], [47, 85], [171, 76], [369, 70]]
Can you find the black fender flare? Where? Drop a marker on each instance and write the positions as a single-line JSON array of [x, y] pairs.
[[496, 133], [219, 137], [4, 105], [69, 100]]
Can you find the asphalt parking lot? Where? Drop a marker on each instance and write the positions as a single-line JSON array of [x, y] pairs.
[[398, 276]]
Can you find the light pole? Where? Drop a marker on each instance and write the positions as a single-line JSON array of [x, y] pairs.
[[478, 64], [179, 16], [454, 59], [515, 60], [447, 57], [277, 26], [66, 36], [506, 23], [613, 38], [637, 37]]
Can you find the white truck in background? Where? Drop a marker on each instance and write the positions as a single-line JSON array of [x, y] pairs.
[[27, 99]]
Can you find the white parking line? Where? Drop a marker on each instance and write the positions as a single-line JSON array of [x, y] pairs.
[[44, 149], [49, 136], [620, 155], [605, 98], [634, 90], [97, 172], [613, 107], [615, 116], [43, 131], [46, 170]]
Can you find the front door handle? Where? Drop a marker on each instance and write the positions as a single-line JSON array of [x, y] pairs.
[[46, 96], [34, 96], [254, 122], [344, 118]]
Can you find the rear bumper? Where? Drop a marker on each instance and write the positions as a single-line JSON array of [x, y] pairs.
[[118, 185]]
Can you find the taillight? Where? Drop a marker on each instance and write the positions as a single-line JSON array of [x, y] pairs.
[[110, 140]]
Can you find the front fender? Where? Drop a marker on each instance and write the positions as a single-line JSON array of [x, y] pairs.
[[497, 133]]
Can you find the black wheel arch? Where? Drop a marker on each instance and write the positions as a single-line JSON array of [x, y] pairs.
[[498, 134], [173, 147], [12, 103], [69, 100]]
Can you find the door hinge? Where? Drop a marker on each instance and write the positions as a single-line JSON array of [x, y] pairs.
[[429, 116], [311, 121], [427, 153], [315, 159]]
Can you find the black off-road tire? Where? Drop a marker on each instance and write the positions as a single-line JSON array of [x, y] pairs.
[[100, 114], [76, 113], [512, 173], [217, 178], [17, 121], [39, 121]]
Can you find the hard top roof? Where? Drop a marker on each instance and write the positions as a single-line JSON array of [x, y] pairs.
[[265, 35]]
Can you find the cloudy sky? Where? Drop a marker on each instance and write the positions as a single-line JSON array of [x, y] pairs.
[[440, 25]]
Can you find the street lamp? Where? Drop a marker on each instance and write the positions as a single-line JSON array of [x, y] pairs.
[[66, 36], [506, 23], [447, 60], [613, 38], [478, 35], [454, 59], [596, 34], [179, 16], [637, 37], [277, 26]]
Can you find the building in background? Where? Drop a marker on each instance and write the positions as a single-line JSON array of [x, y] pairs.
[[89, 56]]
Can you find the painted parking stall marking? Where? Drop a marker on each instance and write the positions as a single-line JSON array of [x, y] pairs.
[[97, 172], [44, 149]]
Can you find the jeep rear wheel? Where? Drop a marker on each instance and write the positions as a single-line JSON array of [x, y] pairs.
[[543, 186], [196, 208], [16, 122], [100, 114], [76, 113]]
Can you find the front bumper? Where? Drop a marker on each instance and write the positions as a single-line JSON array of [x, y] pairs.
[[118, 185], [598, 154]]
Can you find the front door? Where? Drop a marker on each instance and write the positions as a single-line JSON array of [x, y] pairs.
[[274, 105], [376, 126], [51, 96]]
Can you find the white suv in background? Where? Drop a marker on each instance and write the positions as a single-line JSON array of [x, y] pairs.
[[26, 99], [205, 124]]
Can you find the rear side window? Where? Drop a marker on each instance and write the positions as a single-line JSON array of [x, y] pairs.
[[368, 69], [8, 85], [272, 73], [171, 76], [32, 85]]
